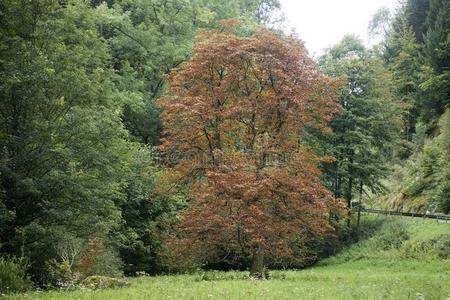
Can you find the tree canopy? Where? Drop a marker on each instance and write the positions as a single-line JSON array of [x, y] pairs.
[[246, 102]]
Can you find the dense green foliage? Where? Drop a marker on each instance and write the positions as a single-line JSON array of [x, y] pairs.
[[368, 124], [417, 52], [77, 119], [425, 177], [13, 275], [66, 158], [396, 94]]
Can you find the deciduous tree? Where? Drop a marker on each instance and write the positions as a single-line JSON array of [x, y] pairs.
[[239, 108]]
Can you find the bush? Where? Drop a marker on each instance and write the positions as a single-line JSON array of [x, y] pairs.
[[60, 275], [13, 275], [76, 262], [392, 236], [99, 259], [103, 282], [108, 264], [435, 248], [443, 246]]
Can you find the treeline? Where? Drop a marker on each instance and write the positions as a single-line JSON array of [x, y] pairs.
[[78, 123], [393, 104], [416, 50], [84, 189]]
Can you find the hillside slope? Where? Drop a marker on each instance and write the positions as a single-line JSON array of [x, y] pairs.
[[423, 182], [399, 241]]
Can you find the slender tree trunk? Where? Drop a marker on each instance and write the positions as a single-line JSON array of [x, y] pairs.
[[336, 182], [257, 268], [360, 203], [338, 186], [349, 193], [349, 200]]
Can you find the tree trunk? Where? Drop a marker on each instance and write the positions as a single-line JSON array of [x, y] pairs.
[[336, 183], [349, 193], [257, 268], [360, 203], [349, 200]]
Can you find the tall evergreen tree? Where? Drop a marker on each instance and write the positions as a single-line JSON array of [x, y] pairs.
[[365, 128], [436, 70], [416, 11]]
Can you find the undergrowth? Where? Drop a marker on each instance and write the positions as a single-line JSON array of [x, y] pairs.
[[396, 238]]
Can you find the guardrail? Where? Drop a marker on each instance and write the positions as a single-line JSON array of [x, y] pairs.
[[406, 214]]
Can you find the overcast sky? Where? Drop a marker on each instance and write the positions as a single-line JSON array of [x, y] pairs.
[[322, 23]]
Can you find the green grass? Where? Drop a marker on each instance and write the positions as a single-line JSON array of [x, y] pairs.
[[376, 268]]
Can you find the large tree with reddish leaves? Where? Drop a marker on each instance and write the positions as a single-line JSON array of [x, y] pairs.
[[235, 117]]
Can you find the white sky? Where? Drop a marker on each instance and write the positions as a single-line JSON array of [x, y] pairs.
[[322, 23]]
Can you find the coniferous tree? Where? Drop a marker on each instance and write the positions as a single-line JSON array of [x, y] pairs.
[[364, 131]]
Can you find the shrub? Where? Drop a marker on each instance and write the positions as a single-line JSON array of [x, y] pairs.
[[60, 275], [108, 264], [94, 249], [76, 262], [392, 236], [435, 248], [443, 246], [99, 259], [103, 282], [13, 275]]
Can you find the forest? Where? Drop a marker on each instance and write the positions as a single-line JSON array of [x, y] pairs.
[[143, 139]]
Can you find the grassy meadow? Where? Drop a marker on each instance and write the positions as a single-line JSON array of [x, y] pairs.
[[404, 259]]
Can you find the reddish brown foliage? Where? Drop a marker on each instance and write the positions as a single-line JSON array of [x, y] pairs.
[[93, 251], [241, 105]]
